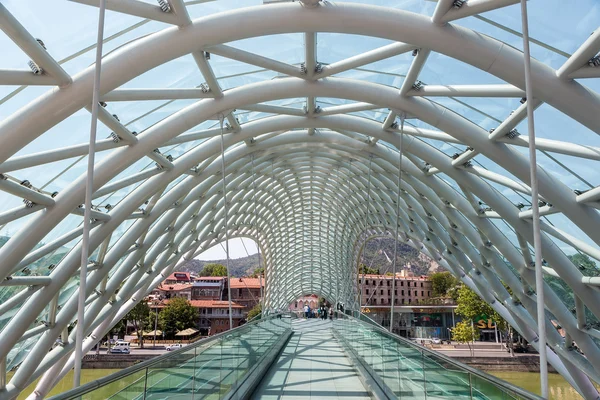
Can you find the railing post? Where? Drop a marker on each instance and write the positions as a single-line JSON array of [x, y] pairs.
[[194, 375], [471, 385], [145, 384], [424, 378]]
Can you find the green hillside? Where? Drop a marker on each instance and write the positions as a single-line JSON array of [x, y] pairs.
[[378, 254]]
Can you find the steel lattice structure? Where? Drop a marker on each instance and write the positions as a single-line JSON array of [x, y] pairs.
[[310, 181]]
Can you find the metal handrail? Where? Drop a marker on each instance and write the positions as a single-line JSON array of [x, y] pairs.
[[496, 381], [93, 385]]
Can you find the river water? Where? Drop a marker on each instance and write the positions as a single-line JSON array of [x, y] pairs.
[[559, 388]]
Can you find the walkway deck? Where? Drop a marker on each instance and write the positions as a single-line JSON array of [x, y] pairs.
[[312, 366]]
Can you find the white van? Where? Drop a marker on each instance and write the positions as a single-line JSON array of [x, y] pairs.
[[120, 347]]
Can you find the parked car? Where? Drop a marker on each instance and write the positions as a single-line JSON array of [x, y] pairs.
[[174, 346], [118, 350], [436, 340]]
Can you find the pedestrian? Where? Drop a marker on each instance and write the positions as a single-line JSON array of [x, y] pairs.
[[331, 313], [306, 311]]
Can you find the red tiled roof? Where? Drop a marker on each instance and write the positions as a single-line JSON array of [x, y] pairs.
[[174, 287], [214, 304], [240, 283], [180, 276]]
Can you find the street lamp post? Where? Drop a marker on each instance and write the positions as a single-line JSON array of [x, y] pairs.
[[155, 324]]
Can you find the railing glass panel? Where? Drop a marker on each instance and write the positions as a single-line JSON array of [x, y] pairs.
[[207, 369], [404, 369]]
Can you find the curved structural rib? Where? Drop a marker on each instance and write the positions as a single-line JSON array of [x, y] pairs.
[[309, 185]]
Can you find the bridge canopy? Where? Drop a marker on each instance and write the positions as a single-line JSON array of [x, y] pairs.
[[339, 122]]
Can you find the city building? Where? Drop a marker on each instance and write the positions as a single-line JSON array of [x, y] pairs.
[[416, 313], [409, 289], [214, 315], [297, 306], [246, 291], [179, 277], [209, 288], [170, 290]]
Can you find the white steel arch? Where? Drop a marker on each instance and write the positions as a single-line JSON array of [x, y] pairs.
[[305, 198]]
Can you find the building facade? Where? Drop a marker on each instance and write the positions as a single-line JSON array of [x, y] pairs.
[[246, 291], [214, 315], [416, 313], [209, 288], [409, 289]]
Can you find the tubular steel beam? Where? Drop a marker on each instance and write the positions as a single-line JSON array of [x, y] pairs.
[[580, 58], [136, 8], [154, 94], [22, 38], [474, 7]]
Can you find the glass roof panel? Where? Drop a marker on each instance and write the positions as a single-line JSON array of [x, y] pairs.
[[296, 208]]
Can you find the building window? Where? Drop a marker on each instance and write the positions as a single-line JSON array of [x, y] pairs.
[[389, 292], [374, 301], [421, 284], [395, 292], [428, 293], [401, 283], [381, 292], [402, 292], [416, 293], [409, 300], [388, 283], [422, 293], [367, 291], [402, 301]]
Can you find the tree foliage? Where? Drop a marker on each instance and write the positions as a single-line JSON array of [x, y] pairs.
[[178, 315], [365, 269], [257, 272], [256, 310], [470, 306], [465, 332], [214, 270], [444, 284], [138, 316]]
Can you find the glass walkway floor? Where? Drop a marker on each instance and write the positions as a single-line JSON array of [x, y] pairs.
[[278, 357], [313, 365]]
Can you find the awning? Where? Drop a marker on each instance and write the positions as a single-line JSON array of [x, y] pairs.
[[187, 332], [151, 333]]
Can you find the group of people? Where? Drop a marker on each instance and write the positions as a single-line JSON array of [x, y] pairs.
[[322, 312]]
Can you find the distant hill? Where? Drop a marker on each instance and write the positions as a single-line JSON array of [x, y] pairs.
[[238, 266], [378, 254]]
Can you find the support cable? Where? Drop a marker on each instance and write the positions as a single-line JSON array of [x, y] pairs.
[[537, 240], [255, 226], [402, 116], [362, 281], [88, 202], [226, 222]]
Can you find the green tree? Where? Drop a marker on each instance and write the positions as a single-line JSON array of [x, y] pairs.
[[213, 269], [443, 284], [138, 316], [465, 332], [256, 310], [178, 315], [258, 271], [365, 269]]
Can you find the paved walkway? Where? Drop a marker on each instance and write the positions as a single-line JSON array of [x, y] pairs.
[[312, 366]]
